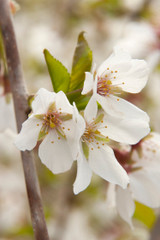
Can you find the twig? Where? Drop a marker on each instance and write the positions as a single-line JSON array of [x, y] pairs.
[[155, 232], [21, 107]]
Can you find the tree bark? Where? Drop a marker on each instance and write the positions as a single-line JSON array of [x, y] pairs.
[[19, 93]]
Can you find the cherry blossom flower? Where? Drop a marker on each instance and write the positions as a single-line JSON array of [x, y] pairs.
[[117, 74], [143, 167], [92, 150], [50, 121]]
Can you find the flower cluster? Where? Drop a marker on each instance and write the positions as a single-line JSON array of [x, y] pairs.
[[142, 163], [67, 134]]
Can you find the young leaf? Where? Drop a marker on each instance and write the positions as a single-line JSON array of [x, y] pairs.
[[59, 75], [82, 62], [82, 101]]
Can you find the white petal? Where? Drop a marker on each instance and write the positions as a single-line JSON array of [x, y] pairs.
[[79, 128], [91, 109], [125, 204], [153, 173], [144, 190], [55, 153], [129, 131], [63, 103], [111, 195], [42, 101], [88, 83], [28, 136], [103, 162], [135, 78], [119, 61], [84, 175], [121, 108]]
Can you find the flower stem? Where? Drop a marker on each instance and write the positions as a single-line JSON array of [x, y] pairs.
[[21, 107]]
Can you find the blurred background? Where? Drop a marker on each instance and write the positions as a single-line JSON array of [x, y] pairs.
[[55, 25]]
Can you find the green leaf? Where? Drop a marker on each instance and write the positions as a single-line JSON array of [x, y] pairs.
[[144, 214], [82, 62], [59, 74], [82, 102]]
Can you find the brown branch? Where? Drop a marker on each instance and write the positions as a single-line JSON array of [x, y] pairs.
[[21, 107], [155, 232]]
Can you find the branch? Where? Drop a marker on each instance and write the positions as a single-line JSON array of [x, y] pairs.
[[155, 232], [21, 108]]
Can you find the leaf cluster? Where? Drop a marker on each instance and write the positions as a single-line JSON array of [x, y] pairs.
[[71, 83]]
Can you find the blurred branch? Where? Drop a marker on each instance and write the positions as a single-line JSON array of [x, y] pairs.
[[155, 232], [21, 107]]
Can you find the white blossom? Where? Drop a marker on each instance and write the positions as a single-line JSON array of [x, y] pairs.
[[50, 121], [92, 150], [143, 167], [117, 74]]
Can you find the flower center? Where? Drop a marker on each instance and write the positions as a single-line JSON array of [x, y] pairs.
[[92, 138], [52, 120], [88, 135], [104, 86], [106, 83]]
